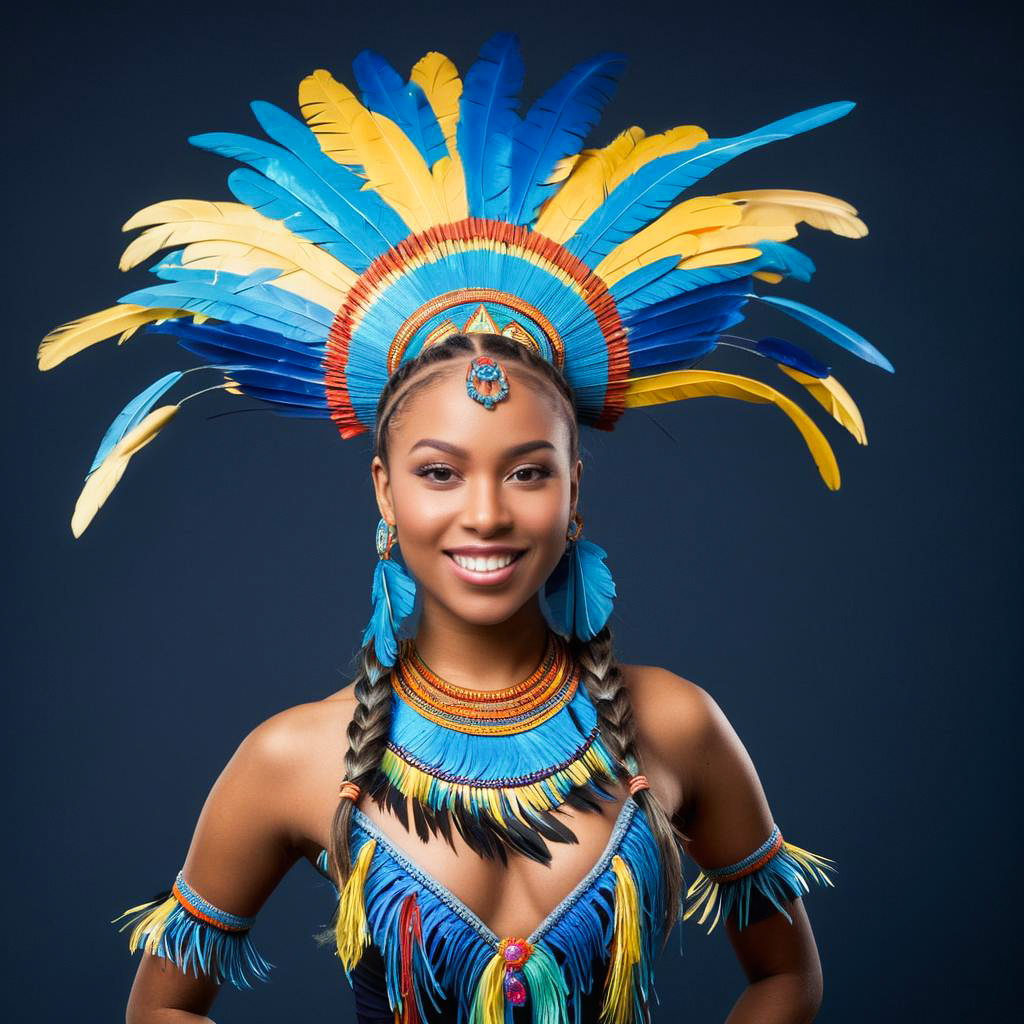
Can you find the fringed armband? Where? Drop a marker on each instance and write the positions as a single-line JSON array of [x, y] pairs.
[[777, 870], [196, 936]]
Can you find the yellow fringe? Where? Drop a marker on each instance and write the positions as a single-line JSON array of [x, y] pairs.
[[489, 1000], [352, 932], [814, 864], [617, 1007], [148, 930]]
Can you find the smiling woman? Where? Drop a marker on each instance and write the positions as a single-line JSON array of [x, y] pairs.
[[473, 287]]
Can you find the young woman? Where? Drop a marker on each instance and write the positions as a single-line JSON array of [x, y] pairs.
[[502, 827]]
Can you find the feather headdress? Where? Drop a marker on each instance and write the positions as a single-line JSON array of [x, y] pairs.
[[388, 218]]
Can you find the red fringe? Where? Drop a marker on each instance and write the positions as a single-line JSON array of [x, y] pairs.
[[473, 229], [410, 926]]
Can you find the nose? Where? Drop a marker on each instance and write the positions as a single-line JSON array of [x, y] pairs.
[[486, 511]]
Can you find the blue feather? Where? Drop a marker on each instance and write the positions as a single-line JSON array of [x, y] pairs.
[[487, 119], [328, 191], [843, 336], [579, 592], [678, 354], [784, 259], [231, 343], [785, 352], [394, 596], [385, 92], [133, 414], [555, 127], [655, 186]]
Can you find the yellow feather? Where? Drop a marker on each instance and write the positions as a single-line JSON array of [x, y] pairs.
[[352, 931], [675, 140], [585, 188], [719, 258], [329, 109], [390, 161], [450, 183], [239, 258], [767, 275], [102, 481], [827, 213], [562, 169], [672, 234], [184, 221], [439, 79], [617, 1006], [833, 397], [677, 385], [70, 338]]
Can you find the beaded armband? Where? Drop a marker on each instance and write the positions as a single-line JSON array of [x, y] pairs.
[[776, 870], [197, 936]]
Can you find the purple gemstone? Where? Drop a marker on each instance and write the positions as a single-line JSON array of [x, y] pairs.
[[513, 951], [515, 990]]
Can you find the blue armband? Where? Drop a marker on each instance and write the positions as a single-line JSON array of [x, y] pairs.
[[777, 871], [197, 936]]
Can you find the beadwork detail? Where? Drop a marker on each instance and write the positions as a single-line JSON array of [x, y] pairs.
[[544, 693], [486, 381]]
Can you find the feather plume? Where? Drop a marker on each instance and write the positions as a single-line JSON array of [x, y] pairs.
[[124, 319], [678, 385], [385, 92], [763, 206], [185, 221], [639, 195], [487, 119], [586, 186], [439, 79], [554, 128], [392, 165], [678, 232], [843, 336], [133, 414], [834, 398], [102, 481]]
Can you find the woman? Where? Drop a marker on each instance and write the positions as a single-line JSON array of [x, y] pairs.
[[426, 265]]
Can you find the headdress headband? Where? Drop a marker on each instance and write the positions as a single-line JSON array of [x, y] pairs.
[[384, 222]]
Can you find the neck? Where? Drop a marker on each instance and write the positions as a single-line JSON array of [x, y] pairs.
[[482, 657]]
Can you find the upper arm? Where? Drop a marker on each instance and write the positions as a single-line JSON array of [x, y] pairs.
[[721, 810], [244, 843]]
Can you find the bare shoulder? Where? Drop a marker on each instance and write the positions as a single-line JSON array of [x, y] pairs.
[[299, 740], [674, 716]]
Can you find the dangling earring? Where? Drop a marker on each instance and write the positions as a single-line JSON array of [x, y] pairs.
[[578, 594], [393, 596]]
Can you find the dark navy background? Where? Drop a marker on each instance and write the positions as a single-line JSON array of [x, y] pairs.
[[864, 644]]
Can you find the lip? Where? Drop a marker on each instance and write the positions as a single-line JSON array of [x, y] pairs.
[[493, 576]]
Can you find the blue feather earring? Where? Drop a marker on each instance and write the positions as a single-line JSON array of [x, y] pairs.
[[393, 596], [578, 594]]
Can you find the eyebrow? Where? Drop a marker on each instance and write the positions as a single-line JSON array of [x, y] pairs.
[[461, 453]]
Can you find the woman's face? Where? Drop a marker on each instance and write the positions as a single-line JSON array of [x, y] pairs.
[[481, 498]]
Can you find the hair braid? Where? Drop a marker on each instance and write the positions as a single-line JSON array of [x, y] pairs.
[[602, 676], [367, 737]]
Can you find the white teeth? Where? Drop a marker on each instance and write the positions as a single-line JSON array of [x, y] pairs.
[[479, 564]]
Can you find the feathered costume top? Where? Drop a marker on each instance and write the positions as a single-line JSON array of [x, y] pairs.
[[380, 223], [384, 221]]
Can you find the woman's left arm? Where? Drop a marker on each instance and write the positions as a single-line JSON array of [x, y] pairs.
[[705, 772], [727, 822]]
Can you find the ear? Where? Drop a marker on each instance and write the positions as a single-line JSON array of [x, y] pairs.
[[382, 489], [574, 487]]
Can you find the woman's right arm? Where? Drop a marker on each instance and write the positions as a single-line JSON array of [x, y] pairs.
[[244, 843]]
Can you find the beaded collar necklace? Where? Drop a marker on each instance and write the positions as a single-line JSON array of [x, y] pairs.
[[496, 764]]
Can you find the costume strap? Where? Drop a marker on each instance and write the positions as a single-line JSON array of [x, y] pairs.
[[197, 936], [777, 870]]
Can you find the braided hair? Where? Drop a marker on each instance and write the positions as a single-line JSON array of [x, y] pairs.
[[600, 671]]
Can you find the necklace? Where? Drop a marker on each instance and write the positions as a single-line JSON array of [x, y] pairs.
[[495, 764]]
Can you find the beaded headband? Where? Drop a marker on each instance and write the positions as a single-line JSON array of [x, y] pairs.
[[387, 220]]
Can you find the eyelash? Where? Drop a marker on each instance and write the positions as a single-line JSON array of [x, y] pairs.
[[425, 471]]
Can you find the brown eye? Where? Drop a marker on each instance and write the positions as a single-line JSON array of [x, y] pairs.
[[437, 473], [530, 474]]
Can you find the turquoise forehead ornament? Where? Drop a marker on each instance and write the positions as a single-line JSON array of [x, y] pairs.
[[486, 381]]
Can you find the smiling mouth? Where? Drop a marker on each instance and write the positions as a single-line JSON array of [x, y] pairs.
[[484, 563]]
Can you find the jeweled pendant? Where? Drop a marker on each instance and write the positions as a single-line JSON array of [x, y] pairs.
[[515, 988]]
